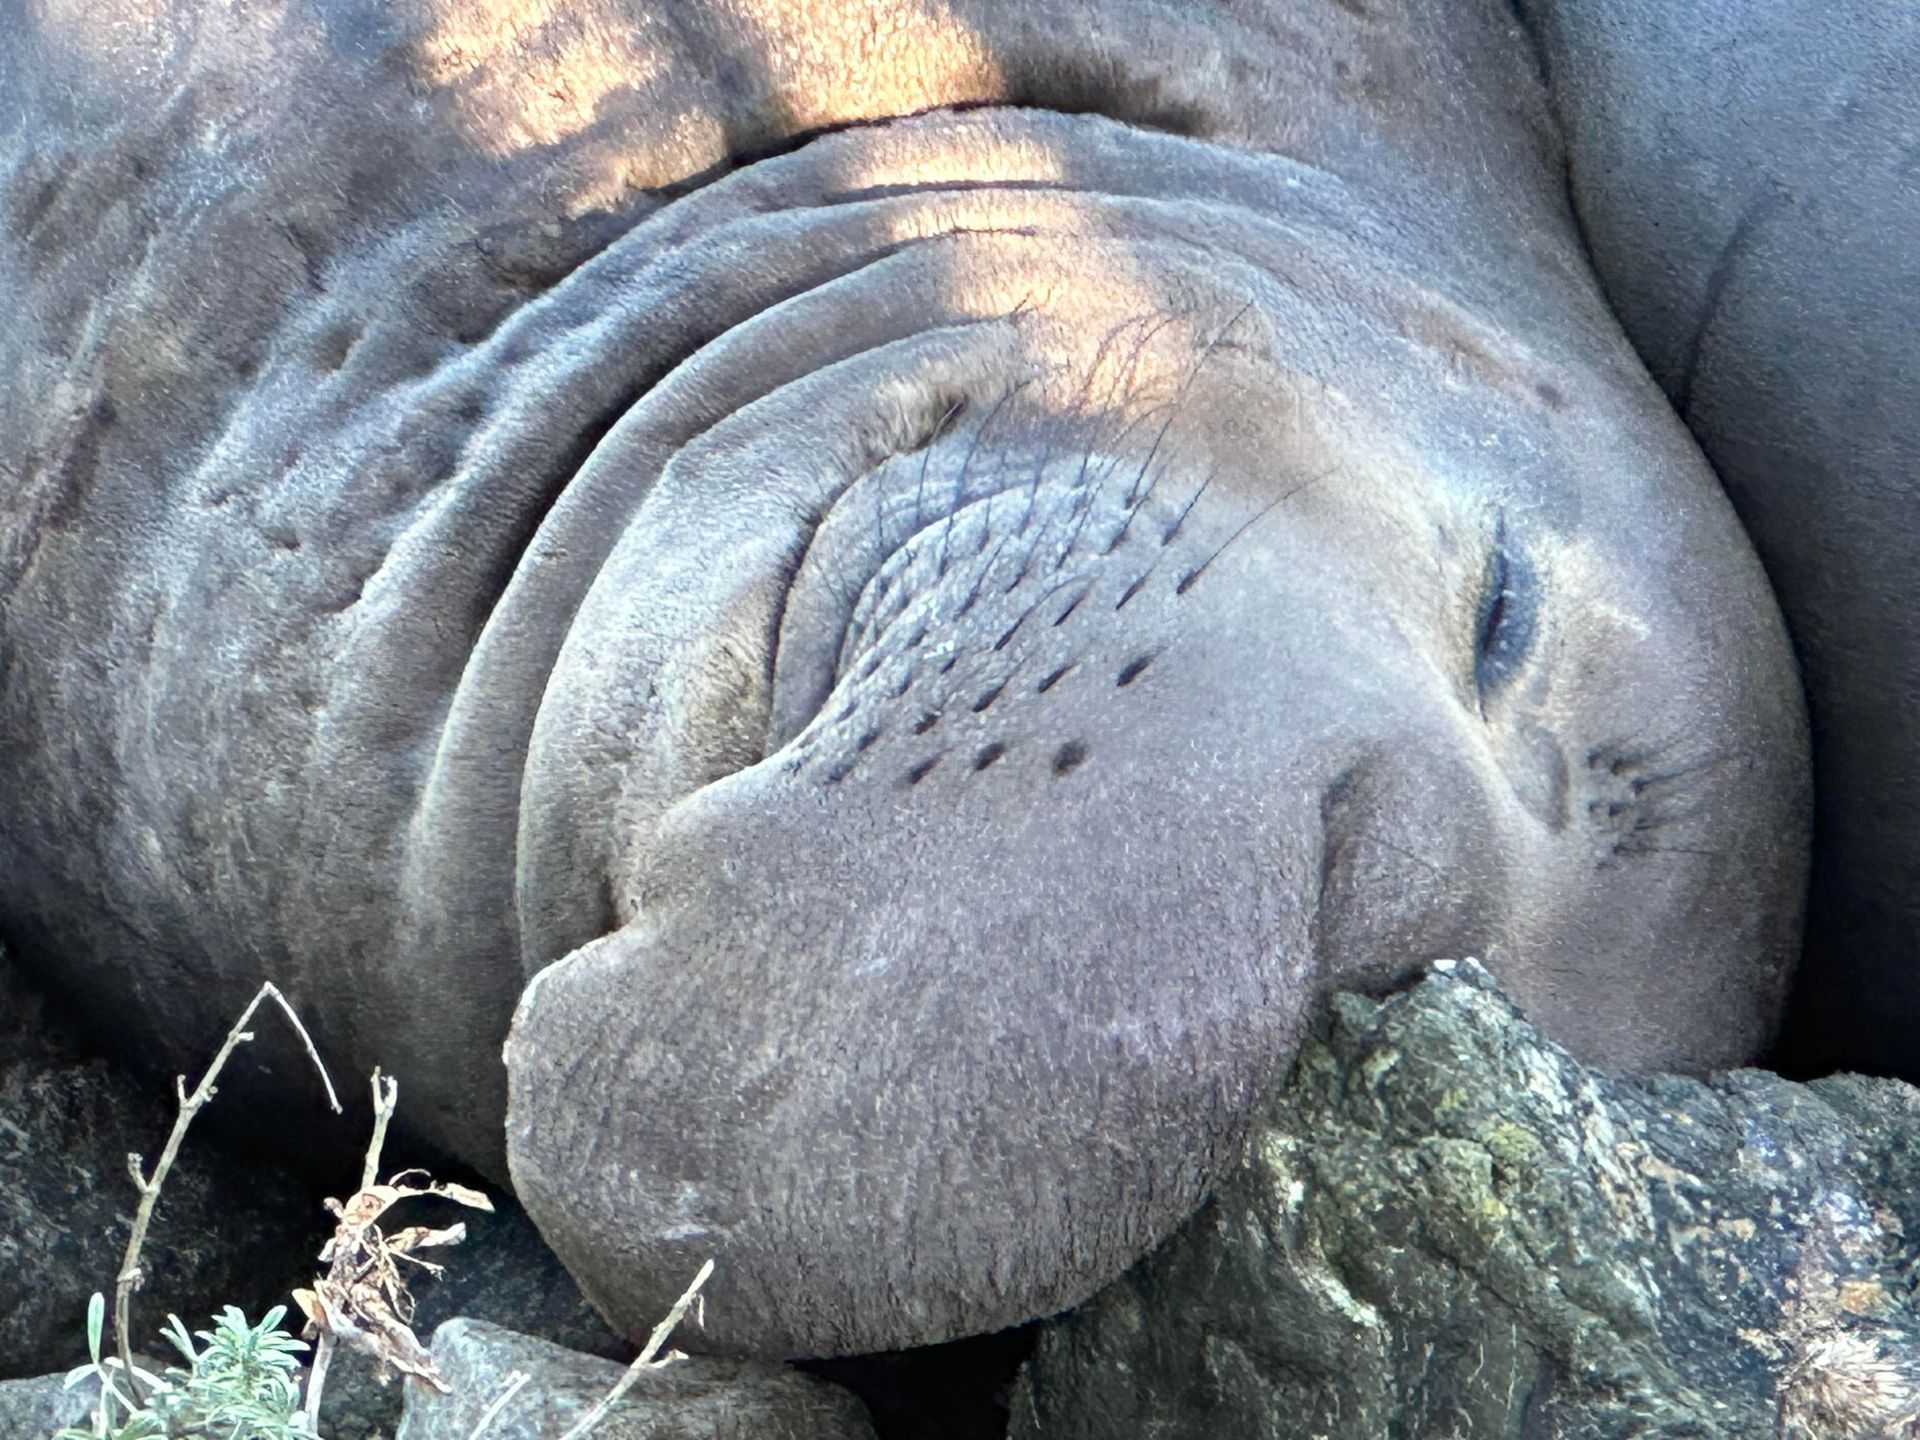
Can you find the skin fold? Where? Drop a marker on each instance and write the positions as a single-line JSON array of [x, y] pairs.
[[930, 577], [1748, 179]]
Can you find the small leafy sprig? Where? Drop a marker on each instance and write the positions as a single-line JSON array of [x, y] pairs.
[[245, 1383], [242, 1384]]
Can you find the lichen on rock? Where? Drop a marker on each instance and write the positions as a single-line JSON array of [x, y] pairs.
[[1449, 1227]]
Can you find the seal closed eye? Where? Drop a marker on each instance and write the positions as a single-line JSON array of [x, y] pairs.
[[1509, 605]]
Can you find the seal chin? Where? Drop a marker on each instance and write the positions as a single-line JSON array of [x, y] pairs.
[[918, 1063]]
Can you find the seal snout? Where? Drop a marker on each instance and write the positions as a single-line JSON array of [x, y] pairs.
[[929, 970]]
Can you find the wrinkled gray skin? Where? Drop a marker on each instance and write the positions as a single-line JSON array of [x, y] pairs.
[[1748, 177], [943, 641]]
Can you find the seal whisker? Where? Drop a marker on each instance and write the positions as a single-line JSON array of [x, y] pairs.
[[1135, 588], [986, 701], [1136, 504], [1031, 610], [1082, 507], [1039, 538], [1092, 494], [1192, 500], [1266, 510], [926, 457], [966, 464], [1126, 379], [980, 580], [1104, 350], [1173, 412], [1193, 576], [1061, 618]]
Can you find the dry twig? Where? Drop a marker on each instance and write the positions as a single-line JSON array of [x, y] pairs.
[[131, 1276], [362, 1299], [644, 1361], [515, 1383]]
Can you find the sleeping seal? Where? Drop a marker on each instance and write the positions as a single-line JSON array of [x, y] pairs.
[[932, 576]]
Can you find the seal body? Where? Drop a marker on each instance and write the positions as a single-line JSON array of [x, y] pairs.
[[1747, 178], [932, 578]]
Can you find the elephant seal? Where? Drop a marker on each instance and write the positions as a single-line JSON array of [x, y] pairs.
[[933, 576], [1748, 177]]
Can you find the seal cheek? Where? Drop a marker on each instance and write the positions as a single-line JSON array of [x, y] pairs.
[[1538, 774]]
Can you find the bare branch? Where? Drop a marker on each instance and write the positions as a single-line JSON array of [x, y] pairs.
[[515, 1383], [384, 1101], [131, 1276], [363, 1299], [644, 1361]]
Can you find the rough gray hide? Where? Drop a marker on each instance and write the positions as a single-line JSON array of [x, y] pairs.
[[898, 590], [1747, 176]]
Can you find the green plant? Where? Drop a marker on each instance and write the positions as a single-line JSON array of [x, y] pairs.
[[241, 1385], [245, 1384]]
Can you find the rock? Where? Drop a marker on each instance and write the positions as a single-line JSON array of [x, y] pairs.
[[226, 1232], [503, 1273], [1450, 1228], [222, 1234], [699, 1399], [34, 1409]]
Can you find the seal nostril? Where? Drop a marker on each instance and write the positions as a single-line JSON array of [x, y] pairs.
[[987, 756], [335, 347], [1054, 679], [1132, 672], [1069, 756]]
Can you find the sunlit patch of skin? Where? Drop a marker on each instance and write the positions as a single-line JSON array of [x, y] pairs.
[[535, 74], [1000, 160], [828, 60]]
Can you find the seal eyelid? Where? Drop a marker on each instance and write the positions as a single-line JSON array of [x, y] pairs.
[[1505, 622]]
